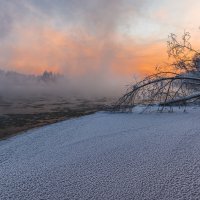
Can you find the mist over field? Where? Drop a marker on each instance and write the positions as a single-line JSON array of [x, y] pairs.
[[16, 85], [28, 101]]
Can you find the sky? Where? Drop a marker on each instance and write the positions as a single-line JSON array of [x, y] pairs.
[[90, 38]]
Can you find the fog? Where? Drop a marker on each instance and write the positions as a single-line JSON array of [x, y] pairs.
[[15, 87], [82, 41]]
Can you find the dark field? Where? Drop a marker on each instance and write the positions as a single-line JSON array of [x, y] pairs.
[[23, 114]]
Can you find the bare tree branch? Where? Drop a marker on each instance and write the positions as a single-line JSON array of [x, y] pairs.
[[179, 85]]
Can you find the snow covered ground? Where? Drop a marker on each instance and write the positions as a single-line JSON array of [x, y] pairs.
[[105, 156]]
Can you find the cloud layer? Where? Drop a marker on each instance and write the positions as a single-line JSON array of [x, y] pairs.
[[91, 40]]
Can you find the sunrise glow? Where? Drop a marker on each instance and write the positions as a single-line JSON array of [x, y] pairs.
[[123, 37]]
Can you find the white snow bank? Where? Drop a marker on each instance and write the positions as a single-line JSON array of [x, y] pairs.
[[105, 156]]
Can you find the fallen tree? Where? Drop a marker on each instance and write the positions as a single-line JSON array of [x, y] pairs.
[[175, 83]]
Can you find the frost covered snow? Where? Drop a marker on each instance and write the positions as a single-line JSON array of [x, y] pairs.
[[105, 156]]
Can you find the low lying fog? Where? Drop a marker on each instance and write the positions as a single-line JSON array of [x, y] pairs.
[[18, 86]]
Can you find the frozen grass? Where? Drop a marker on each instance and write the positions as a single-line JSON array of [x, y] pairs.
[[105, 156]]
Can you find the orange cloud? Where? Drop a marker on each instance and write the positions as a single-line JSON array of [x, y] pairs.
[[142, 59], [43, 48], [49, 49]]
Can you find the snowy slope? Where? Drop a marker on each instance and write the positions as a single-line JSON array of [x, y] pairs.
[[105, 156]]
